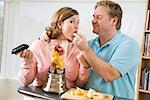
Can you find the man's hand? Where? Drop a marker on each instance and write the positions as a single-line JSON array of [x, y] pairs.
[[81, 42]]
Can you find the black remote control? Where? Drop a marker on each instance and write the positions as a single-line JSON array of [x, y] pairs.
[[19, 48]]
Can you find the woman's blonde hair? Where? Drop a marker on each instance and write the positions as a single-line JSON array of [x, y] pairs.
[[113, 9], [53, 31]]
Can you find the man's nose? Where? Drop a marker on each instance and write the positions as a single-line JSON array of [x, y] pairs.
[[94, 21]]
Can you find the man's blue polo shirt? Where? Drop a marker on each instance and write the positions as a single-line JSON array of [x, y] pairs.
[[123, 53]]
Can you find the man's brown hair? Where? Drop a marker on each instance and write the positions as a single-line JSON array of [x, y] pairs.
[[113, 9]]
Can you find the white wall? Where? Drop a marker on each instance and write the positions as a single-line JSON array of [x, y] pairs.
[[24, 22]]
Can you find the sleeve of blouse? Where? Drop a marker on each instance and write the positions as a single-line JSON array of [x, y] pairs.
[[27, 71]]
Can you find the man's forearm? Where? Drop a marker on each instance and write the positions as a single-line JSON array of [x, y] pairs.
[[103, 68]]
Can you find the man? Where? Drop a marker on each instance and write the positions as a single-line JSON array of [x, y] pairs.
[[113, 56]]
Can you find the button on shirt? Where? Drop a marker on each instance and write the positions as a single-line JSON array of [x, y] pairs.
[[123, 53]]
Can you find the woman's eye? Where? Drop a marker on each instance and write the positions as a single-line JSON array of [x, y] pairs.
[[71, 21]]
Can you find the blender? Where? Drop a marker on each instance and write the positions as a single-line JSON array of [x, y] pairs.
[[56, 78]]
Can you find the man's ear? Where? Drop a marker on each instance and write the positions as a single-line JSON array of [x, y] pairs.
[[115, 20]]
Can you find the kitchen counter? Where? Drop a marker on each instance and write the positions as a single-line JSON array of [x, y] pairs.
[[37, 93], [34, 93]]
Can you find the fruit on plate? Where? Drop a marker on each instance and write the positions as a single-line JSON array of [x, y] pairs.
[[89, 94], [78, 91]]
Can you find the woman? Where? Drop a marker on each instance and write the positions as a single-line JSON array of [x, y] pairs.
[[35, 60]]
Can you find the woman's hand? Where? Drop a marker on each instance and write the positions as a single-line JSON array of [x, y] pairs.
[[26, 54]]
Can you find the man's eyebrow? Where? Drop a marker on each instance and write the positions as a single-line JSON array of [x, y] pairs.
[[98, 15]]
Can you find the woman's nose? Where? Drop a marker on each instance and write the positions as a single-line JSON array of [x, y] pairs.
[[76, 26]]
